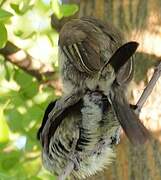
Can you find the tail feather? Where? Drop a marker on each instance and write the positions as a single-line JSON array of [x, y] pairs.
[[132, 126]]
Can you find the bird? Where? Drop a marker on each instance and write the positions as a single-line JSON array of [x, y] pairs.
[[96, 62], [98, 134]]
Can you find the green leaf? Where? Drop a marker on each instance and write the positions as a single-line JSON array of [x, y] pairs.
[[15, 7], [68, 9], [56, 7], [4, 129], [64, 9], [3, 35], [29, 87], [4, 15], [35, 178], [10, 161], [1, 2], [24, 35], [7, 73], [21, 8]]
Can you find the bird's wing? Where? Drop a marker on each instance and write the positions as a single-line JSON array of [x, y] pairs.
[[55, 122], [45, 118], [80, 47]]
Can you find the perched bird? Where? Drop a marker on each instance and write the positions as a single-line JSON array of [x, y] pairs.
[[96, 66], [98, 131]]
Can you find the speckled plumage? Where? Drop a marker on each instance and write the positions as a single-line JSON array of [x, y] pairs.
[[99, 131]]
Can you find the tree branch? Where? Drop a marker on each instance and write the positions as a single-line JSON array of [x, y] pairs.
[[26, 62], [148, 90]]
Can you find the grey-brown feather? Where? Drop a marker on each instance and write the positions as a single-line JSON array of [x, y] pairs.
[[99, 131], [90, 51], [86, 44]]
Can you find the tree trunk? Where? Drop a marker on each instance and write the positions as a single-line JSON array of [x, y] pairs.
[[132, 163]]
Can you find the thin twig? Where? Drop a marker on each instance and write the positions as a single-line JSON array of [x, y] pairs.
[[148, 90]]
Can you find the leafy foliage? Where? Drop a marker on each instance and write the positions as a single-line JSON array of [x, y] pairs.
[[4, 16], [63, 10], [19, 121], [3, 37], [22, 100]]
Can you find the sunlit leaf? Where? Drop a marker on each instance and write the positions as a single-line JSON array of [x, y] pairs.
[[22, 7], [32, 166], [43, 174], [29, 87], [24, 35], [3, 35], [64, 9], [4, 15], [18, 33], [15, 7], [35, 178], [40, 98], [68, 9], [15, 120], [7, 74], [26, 5], [1, 2], [10, 160], [4, 128], [56, 7]]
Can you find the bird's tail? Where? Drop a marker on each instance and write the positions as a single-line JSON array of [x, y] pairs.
[[132, 126]]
